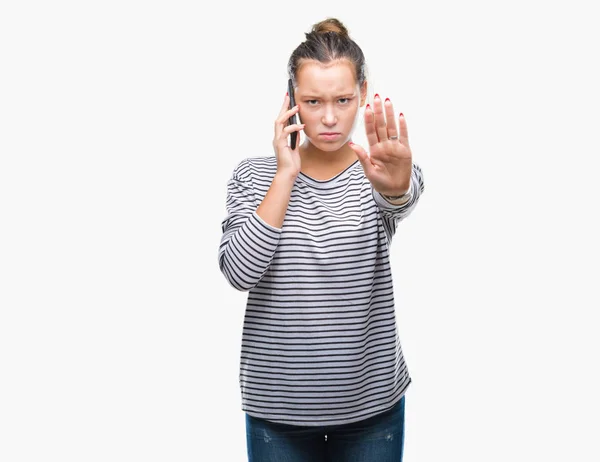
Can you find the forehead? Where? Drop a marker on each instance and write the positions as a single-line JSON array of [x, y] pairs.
[[317, 78]]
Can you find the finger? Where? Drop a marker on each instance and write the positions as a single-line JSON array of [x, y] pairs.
[[288, 129], [403, 130], [370, 126], [283, 139], [284, 106], [286, 103], [380, 125], [284, 118], [389, 116], [363, 157]]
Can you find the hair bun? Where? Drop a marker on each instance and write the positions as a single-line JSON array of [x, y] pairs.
[[330, 25]]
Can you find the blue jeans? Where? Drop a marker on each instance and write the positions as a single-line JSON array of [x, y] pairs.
[[378, 439]]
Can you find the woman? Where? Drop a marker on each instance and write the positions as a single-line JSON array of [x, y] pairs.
[[307, 234]]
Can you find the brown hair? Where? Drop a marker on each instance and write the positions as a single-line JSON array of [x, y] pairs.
[[328, 41]]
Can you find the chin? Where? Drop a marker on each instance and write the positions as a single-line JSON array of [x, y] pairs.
[[328, 147]]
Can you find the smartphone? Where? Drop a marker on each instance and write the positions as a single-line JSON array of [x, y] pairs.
[[292, 120]]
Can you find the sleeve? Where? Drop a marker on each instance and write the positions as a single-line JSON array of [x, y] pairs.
[[393, 214], [248, 243]]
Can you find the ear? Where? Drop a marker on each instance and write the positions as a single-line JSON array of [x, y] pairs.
[[363, 94]]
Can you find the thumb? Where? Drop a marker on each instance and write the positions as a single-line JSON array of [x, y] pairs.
[[363, 157]]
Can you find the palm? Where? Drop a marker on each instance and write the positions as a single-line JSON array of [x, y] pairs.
[[388, 165]]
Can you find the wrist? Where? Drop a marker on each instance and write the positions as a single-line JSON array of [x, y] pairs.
[[398, 197], [286, 180], [400, 191], [395, 196]]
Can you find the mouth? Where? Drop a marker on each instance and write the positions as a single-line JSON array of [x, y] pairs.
[[329, 135]]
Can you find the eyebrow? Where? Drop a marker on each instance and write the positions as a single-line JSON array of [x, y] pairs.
[[342, 95]]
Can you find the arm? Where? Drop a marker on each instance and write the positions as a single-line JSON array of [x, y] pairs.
[[273, 207], [250, 233], [392, 213], [405, 206]]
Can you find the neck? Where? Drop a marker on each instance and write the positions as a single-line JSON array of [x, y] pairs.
[[318, 158]]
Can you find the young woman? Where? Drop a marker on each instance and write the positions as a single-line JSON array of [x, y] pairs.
[[307, 234]]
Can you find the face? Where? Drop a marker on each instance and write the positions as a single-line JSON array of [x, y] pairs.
[[329, 98]]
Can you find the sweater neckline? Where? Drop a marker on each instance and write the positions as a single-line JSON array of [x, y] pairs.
[[313, 181]]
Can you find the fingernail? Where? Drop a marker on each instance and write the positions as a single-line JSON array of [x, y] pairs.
[[401, 115], [368, 106], [350, 143], [376, 95], [286, 93], [387, 99]]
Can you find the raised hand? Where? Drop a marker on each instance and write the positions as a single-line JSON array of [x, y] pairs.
[[389, 165], [288, 160]]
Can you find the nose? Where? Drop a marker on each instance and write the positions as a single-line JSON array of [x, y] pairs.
[[329, 118]]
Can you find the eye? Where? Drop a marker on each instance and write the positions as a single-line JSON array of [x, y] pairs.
[[311, 101], [344, 100]]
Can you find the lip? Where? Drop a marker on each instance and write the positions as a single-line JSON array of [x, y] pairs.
[[329, 135]]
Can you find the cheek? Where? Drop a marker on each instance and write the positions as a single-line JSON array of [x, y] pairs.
[[352, 115], [356, 119], [350, 119], [305, 114], [309, 120]]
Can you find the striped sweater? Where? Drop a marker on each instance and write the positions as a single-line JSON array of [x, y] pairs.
[[319, 343]]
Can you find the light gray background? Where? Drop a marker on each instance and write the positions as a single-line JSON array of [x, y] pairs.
[[120, 123]]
